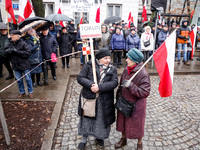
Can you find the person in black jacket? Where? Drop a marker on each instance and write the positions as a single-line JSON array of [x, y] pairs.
[[107, 81], [18, 51], [64, 40], [72, 31], [48, 46]]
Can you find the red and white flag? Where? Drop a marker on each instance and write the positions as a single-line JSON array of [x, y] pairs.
[[28, 9], [193, 35], [98, 15], [144, 12], [129, 20], [9, 9], [164, 61], [81, 21], [60, 12]]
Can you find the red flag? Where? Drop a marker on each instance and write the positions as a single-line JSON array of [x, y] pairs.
[[98, 16], [144, 13], [9, 9], [192, 14], [28, 9], [61, 22], [164, 61], [81, 21], [129, 20], [193, 35], [20, 19]]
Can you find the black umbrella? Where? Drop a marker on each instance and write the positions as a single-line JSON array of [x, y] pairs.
[[58, 17], [112, 19], [32, 19]]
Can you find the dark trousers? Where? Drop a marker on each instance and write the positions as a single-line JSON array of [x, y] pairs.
[[67, 60], [52, 66], [37, 77], [146, 55], [7, 64], [117, 57], [73, 44]]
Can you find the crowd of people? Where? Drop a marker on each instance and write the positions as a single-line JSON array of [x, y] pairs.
[[26, 52]]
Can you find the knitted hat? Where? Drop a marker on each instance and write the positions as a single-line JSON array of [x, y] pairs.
[[133, 29], [102, 52], [135, 55], [16, 32]]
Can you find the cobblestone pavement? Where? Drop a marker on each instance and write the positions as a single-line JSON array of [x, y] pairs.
[[171, 123]]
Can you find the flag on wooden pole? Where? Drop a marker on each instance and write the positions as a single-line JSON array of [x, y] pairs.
[[28, 9], [9, 9], [144, 12]]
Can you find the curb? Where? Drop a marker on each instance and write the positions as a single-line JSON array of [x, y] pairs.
[[50, 132]]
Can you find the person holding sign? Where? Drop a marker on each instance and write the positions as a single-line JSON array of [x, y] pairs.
[[102, 93]]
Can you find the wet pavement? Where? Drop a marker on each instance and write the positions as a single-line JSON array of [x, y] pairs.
[[171, 123]]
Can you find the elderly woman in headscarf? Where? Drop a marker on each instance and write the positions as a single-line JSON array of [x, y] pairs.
[[137, 92], [107, 80], [35, 57]]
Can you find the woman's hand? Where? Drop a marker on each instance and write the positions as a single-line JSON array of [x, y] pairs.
[[95, 88]]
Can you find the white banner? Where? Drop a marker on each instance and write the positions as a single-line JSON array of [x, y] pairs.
[[90, 30], [81, 5]]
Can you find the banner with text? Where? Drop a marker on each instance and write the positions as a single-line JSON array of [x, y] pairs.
[[81, 5], [90, 30]]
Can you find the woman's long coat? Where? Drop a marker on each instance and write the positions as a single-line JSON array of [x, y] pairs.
[[139, 90], [64, 41], [106, 90]]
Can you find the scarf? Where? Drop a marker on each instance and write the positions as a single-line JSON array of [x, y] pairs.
[[130, 69], [103, 70]]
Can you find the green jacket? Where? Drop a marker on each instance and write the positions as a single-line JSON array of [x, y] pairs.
[[4, 41]]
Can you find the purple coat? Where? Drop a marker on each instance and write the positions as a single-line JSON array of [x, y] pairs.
[[139, 90]]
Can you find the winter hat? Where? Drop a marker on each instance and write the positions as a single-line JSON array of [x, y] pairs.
[[102, 52], [132, 29], [165, 25], [16, 32], [64, 28], [135, 55], [132, 25]]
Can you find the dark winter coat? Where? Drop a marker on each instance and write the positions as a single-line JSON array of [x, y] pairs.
[[70, 30], [106, 90], [78, 39], [64, 43], [139, 90], [20, 58], [183, 33], [48, 45], [133, 41], [4, 41], [35, 53], [53, 32], [117, 42], [162, 36]]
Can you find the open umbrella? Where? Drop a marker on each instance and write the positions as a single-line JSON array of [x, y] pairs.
[[112, 19], [58, 17], [37, 25], [32, 19], [3, 26]]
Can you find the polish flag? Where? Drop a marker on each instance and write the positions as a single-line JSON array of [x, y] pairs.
[[164, 61], [20, 19], [193, 35], [98, 14], [144, 12], [9, 9], [129, 20], [60, 12], [28, 9], [81, 21]]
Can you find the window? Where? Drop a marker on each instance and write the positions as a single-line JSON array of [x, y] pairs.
[[67, 1], [49, 8], [114, 10], [78, 15], [96, 1]]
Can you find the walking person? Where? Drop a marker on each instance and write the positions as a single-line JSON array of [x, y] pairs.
[[182, 40], [137, 91], [48, 46], [146, 43], [4, 41], [117, 45], [100, 125], [64, 40], [18, 51], [36, 56]]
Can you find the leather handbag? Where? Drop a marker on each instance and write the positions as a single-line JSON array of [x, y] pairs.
[[88, 106], [124, 106], [147, 43]]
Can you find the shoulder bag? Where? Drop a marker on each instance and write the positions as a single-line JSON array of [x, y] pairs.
[[147, 43]]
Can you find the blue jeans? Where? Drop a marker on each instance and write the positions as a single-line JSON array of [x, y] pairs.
[[184, 48], [19, 74]]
